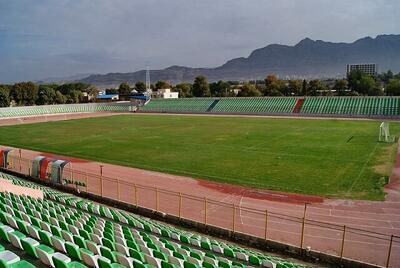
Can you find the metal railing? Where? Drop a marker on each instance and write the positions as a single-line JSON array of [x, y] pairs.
[[333, 239]]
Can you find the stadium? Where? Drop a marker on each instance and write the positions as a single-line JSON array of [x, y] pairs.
[[202, 182]]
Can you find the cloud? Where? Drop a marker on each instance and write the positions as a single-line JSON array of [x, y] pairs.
[[46, 38]]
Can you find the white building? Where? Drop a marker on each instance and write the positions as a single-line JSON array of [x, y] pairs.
[[166, 93]]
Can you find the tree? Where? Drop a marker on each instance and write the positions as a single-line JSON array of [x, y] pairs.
[[184, 89], [140, 86], [46, 95], [223, 89], [393, 88], [249, 90], [274, 86], [294, 87], [67, 88], [275, 93], [201, 87], [74, 96], [377, 90], [315, 87], [386, 77], [162, 85], [24, 93], [340, 86], [353, 79], [124, 89], [366, 85], [220, 88], [271, 84], [4, 97], [304, 88], [59, 98]]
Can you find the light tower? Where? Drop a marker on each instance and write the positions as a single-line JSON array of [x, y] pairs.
[[148, 87]]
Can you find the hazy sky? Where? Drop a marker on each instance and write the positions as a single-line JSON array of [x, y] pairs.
[[58, 38]]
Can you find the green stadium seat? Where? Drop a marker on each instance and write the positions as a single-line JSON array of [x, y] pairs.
[[29, 246], [108, 241]]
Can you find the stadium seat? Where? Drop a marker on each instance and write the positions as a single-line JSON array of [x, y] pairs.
[[109, 240]]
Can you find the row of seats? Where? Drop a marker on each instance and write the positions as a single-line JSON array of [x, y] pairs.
[[255, 105], [64, 108], [352, 106], [178, 105], [367, 106], [68, 231]]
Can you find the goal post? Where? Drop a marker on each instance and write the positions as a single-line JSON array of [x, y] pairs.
[[384, 133]]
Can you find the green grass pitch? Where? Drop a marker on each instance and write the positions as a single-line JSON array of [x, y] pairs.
[[331, 158]]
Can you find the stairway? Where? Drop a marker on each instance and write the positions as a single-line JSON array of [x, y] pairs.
[[298, 106], [209, 109]]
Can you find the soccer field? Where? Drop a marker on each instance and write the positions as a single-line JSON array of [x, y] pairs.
[[332, 158]]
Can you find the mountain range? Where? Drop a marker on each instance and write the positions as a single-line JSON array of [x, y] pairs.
[[61, 80], [307, 59]]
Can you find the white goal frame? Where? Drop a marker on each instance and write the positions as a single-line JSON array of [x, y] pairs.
[[384, 133]]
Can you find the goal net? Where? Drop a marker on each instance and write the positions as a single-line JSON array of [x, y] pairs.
[[384, 133]]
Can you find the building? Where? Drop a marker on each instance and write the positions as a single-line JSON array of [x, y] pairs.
[[107, 98], [370, 69], [165, 93]]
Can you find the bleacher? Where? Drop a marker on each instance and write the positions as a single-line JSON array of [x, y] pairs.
[[64, 109], [185, 105], [323, 106], [65, 231], [358, 106], [279, 105]]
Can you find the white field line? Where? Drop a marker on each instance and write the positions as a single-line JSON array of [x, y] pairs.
[[363, 168]]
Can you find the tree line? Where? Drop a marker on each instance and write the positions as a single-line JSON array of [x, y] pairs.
[[28, 93]]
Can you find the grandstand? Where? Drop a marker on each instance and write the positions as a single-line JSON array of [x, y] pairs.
[[195, 105], [65, 109], [63, 230], [256, 105], [365, 106], [306, 106]]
